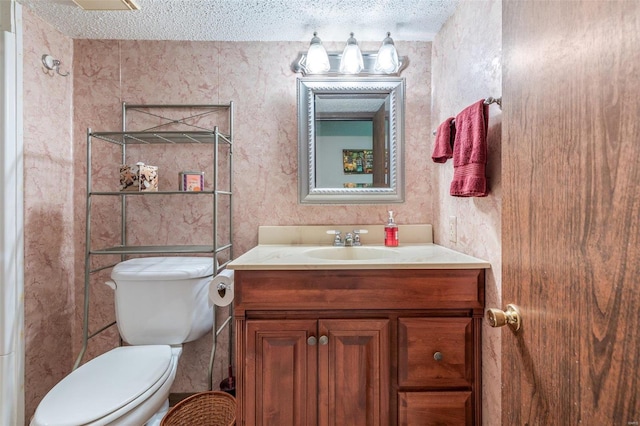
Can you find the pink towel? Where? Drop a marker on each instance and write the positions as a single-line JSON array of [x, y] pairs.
[[442, 150], [470, 152]]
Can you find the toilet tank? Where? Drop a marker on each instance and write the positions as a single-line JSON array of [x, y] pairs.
[[163, 300]]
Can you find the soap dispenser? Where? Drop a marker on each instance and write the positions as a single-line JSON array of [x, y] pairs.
[[391, 232]]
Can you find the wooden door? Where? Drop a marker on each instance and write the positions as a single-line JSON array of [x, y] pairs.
[[353, 370], [571, 212], [380, 178], [281, 375]]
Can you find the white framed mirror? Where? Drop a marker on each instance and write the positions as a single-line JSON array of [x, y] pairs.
[[350, 140]]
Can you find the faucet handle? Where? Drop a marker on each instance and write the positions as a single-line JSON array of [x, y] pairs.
[[356, 236], [337, 241]]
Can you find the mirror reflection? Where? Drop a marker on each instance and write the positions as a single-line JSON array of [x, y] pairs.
[[350, 140]]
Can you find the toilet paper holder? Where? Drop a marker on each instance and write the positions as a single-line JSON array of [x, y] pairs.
[[222, 288], [222, 284]]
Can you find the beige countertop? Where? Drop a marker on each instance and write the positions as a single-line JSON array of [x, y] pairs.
[[309, 248]]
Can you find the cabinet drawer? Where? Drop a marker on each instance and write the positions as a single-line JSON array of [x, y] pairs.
[[435, 352], [435, 408]]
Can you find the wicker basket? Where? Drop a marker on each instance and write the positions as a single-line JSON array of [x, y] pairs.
[[213, 408]]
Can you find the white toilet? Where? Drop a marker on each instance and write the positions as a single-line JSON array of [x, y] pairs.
[[161, 302]]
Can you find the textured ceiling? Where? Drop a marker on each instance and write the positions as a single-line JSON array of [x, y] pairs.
[[250, 20]]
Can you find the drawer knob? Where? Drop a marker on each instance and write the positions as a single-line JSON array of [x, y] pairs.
[[323, 340], [311, 341], [438, 356]]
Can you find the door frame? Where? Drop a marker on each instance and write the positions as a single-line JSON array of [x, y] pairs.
[[12, 222]]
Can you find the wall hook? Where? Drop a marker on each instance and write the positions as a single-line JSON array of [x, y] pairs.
[[52, 64]]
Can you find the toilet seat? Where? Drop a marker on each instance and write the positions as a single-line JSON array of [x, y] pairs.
[[107, 387]]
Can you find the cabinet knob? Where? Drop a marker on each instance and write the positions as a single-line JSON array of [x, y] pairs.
[[311, 341], [324, 340], [438, 356]]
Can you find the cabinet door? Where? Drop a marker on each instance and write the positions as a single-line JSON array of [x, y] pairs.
[[353, 371], [280, 381]]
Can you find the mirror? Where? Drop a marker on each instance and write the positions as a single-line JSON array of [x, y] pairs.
[[350, 140]]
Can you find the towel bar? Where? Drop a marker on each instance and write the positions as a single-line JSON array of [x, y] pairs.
[[490, 100]]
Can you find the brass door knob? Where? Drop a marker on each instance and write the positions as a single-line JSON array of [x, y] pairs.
[[510, 317]]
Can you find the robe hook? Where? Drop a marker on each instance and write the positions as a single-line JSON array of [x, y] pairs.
[[52, 64]]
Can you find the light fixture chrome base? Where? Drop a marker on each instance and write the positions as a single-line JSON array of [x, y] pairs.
[[369, 59]]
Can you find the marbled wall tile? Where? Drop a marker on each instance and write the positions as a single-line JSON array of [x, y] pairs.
[[48, 211], [179, 72], [266, 151], [97, 106], [467, 67]]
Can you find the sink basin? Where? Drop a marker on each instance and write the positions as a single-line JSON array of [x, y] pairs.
[[350, 253]]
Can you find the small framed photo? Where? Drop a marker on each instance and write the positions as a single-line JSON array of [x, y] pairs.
[[357, 161], [191, 181]]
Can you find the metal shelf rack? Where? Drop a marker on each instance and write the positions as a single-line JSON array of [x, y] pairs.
[[184, 131]]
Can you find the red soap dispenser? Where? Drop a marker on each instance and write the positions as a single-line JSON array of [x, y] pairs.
[[391, 232]]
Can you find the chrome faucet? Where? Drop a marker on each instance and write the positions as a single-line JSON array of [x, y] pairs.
[[348, 240], [351, 239]]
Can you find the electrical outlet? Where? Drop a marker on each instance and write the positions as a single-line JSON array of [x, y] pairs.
[[453, 231]]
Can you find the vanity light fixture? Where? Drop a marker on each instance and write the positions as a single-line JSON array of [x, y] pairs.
[[317, 61], [351, 62], [387, 60]]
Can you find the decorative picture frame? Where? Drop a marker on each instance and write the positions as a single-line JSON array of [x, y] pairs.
[[357, 161], [356, 185], [191, 181]]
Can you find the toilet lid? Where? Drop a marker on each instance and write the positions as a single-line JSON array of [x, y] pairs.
[[162, 268], [104, 385]]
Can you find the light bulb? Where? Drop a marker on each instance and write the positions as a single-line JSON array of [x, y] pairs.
[[317, 59], [387, 59], [351, 62]]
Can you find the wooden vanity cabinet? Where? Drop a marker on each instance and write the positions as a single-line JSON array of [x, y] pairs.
[[358, 347], [324, 371]]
